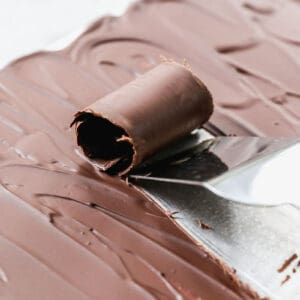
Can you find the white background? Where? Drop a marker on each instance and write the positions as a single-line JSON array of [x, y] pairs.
[[30, 25]]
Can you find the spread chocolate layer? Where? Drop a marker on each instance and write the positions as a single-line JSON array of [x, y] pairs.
[[129, 125], [68, 233]]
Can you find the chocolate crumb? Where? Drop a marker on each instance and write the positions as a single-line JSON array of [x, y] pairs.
[[294, 270], [287, 263], [51, 216], [172, 214], [203, 225], [287, 278]]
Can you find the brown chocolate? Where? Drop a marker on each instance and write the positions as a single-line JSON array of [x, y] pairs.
[[287, 278], [249, 62], [287, 262], [132, 123]]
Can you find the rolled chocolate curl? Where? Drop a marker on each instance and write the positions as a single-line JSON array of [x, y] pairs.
[[124, 128]]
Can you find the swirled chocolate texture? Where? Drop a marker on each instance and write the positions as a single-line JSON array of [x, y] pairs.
[[68, 233], [132, 123]]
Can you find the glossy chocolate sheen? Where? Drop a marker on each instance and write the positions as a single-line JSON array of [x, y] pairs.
[[68, 233], [134, 122]]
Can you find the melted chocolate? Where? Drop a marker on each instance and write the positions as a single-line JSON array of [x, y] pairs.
[[68, 233]]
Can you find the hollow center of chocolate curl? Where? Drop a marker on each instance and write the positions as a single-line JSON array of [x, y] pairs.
[[101, 140]]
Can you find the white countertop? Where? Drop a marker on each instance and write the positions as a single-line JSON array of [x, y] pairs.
[[29, 25]]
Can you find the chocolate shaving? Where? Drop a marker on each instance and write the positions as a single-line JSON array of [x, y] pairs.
[[129, 125], [287, 278], [203, 225], [287, 263]]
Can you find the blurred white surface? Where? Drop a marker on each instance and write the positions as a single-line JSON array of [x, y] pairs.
[[29, 25]]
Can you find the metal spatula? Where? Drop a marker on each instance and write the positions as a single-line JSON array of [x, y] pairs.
[[262, 171], [239, 188]]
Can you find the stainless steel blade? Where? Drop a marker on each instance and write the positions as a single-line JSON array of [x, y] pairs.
[[255, 240], [272, 179], [262, 175]]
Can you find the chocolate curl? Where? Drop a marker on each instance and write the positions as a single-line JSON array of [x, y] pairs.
[[124, 128]]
